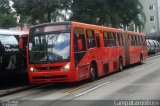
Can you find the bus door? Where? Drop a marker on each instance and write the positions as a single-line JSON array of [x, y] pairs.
[[138, 49], [80, 56], [127, 46], [99, 54], [106, 53], [91, 42], [134, 58], [113, 51]]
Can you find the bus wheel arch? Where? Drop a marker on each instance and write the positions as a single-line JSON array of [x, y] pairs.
[[93, 71]]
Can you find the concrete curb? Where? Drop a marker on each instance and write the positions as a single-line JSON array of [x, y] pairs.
[[16, 90]]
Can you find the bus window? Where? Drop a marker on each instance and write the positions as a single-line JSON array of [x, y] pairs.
[[144, 41], [91, 39], [98, 40], [118, 37], [133, 40], [10, 43], [106, 39], [114, 39], [129, 40], [121, 39], [138, 41], [79, 34], [111, 39], [141, 41]]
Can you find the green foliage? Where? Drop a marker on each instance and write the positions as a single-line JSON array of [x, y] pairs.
[[108, 12], [4, 7], [7, 19], [100, 12], [39, 11]]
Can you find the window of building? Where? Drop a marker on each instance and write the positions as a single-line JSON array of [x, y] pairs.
[[153, 29], [152, 18], [152, 7]]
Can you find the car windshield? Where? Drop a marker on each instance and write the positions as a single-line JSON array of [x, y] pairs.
[[51, 47]]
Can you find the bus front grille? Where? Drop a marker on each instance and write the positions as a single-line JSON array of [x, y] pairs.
[[49, 68], [49, 77]]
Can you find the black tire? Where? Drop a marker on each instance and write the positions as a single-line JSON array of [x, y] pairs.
[[120, 64], [92, 74], [141, 60]]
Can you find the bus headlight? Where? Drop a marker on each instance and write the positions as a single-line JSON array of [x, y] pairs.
[[66, 67], [32, 69]]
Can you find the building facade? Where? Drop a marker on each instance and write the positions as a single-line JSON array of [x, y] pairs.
[[152, 12]]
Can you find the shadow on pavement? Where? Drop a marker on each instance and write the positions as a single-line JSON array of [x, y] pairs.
[[13, 80]]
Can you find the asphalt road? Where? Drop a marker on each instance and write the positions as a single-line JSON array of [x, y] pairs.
[[136, 85]]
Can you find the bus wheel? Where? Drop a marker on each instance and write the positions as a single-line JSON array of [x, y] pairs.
[[141, 59], [92, 74], [120, 64]]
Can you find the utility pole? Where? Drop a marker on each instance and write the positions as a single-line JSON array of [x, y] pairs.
[[155, 33], [155, 36]]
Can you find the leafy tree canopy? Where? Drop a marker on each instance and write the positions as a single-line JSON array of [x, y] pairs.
[[7, 18], [108, 12], [100, 12]]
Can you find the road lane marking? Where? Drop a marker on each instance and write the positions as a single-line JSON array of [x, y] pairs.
[[76, 88], [143, 67], [110, 82], [92, 89], [84, 85]]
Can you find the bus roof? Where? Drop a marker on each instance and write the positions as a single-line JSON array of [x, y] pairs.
[[73, 22], [136, 33], [86, 25], [12, 32], [53, 23]]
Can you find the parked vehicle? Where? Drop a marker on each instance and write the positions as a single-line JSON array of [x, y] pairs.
[[9, 50], [153, 46]]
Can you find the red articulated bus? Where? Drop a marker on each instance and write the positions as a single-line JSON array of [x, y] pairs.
[[73, 51]]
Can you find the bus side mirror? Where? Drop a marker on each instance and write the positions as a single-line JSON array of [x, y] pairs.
[[20, 43], [80, 48]]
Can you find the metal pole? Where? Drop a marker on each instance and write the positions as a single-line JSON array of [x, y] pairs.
[[155, 33]]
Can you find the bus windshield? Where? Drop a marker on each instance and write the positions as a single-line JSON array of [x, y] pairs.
[[52, 47]]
